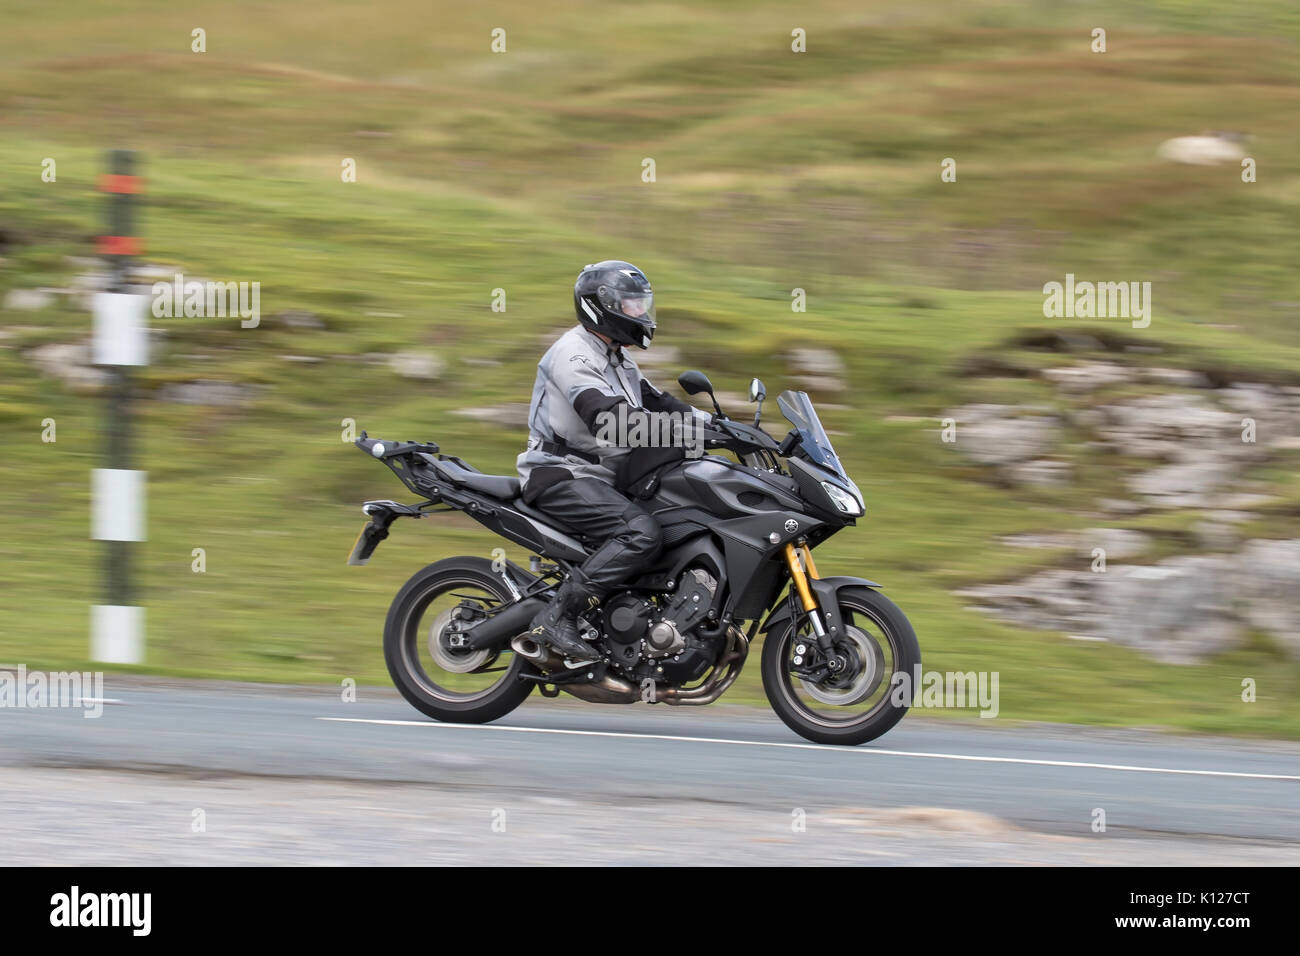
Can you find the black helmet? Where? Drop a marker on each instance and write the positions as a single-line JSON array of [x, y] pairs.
[[614, 298]]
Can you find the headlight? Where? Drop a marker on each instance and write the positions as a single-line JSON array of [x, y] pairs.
[[846, 502]]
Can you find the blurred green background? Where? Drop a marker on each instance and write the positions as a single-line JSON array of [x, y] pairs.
[[775, 171]]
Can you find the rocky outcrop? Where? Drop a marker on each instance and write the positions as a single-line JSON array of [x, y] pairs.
[[1188, 447], [1089, 376], [1003, 435], [1179, 610], [1204, 446], [1040, 471], [1268, 582], [1197, 446], [1118, 543]]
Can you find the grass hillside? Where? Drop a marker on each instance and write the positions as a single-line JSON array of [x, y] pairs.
[[774, 171]]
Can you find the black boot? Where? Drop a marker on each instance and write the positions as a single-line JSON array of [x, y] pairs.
[[556, 625]]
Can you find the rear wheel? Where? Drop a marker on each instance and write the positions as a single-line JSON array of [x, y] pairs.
[[859, 703], [439, 680]]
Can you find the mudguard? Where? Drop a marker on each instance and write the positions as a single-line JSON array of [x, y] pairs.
[[825, 591]]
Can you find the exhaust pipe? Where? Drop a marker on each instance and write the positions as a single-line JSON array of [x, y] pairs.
[[733, 659], [615, 690], [607, 690], [545, 658]]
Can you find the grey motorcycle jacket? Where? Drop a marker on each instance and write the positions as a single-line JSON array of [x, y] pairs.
[[582, 386]]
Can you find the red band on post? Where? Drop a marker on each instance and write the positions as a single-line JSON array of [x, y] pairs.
[[113, 183], [118, 246]]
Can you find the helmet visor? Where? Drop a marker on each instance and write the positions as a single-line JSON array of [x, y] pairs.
[[638, 305]]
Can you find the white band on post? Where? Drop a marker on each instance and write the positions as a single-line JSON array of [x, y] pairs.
[[120, 337], [117, 504], [117, 633]]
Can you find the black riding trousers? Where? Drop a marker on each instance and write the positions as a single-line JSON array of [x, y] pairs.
[[630, 536]]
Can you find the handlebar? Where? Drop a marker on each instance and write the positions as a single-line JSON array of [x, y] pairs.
[[737, 436]]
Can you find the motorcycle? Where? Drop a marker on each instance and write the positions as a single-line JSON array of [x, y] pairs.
[[837, 654]]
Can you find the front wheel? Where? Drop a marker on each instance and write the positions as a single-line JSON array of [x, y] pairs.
[[860, 701], [440, 680]]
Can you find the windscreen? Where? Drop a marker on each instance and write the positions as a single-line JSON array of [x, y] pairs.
[[798, 409]]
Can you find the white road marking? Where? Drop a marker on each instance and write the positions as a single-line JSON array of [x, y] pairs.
[[827, 747]]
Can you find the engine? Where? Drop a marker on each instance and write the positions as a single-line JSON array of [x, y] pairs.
[[654, 637]]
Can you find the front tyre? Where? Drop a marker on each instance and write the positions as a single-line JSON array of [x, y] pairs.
[[439, 680], [859, 703]]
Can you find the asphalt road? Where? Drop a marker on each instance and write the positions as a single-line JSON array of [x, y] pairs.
[[178, 772]]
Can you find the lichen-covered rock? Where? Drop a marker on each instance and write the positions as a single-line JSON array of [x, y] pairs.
[[1089, 376], [208, 392], [817, 370], [1268, 589], [1040, 471], [69, 362], [1002, 434], [1181, 377], [1185, 485], [1180, 610], [1176, 426], [1118, 543]]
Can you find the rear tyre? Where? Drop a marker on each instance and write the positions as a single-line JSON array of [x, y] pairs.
[[438, 680], [860, 706]]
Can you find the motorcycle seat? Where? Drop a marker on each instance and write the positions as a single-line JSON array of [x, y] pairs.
[[505, 487], [498, 486]]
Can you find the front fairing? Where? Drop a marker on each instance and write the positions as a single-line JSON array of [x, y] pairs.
[[809, 478]]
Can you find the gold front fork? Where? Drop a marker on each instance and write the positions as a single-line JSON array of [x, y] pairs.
[[808, 563], [796, 561], [798, 577]]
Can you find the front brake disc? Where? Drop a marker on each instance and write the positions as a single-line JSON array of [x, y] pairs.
[[857, 687]]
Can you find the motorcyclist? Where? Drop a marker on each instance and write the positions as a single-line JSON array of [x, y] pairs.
[[575, 462]]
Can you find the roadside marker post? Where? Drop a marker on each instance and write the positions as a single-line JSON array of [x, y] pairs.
[[118, 491]]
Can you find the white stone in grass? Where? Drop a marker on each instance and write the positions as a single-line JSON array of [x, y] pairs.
[[416, 364], [28, 300], [1207, 149], [509, 414]]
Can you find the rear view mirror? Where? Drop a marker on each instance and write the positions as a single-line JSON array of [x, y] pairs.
[[695, 382]]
